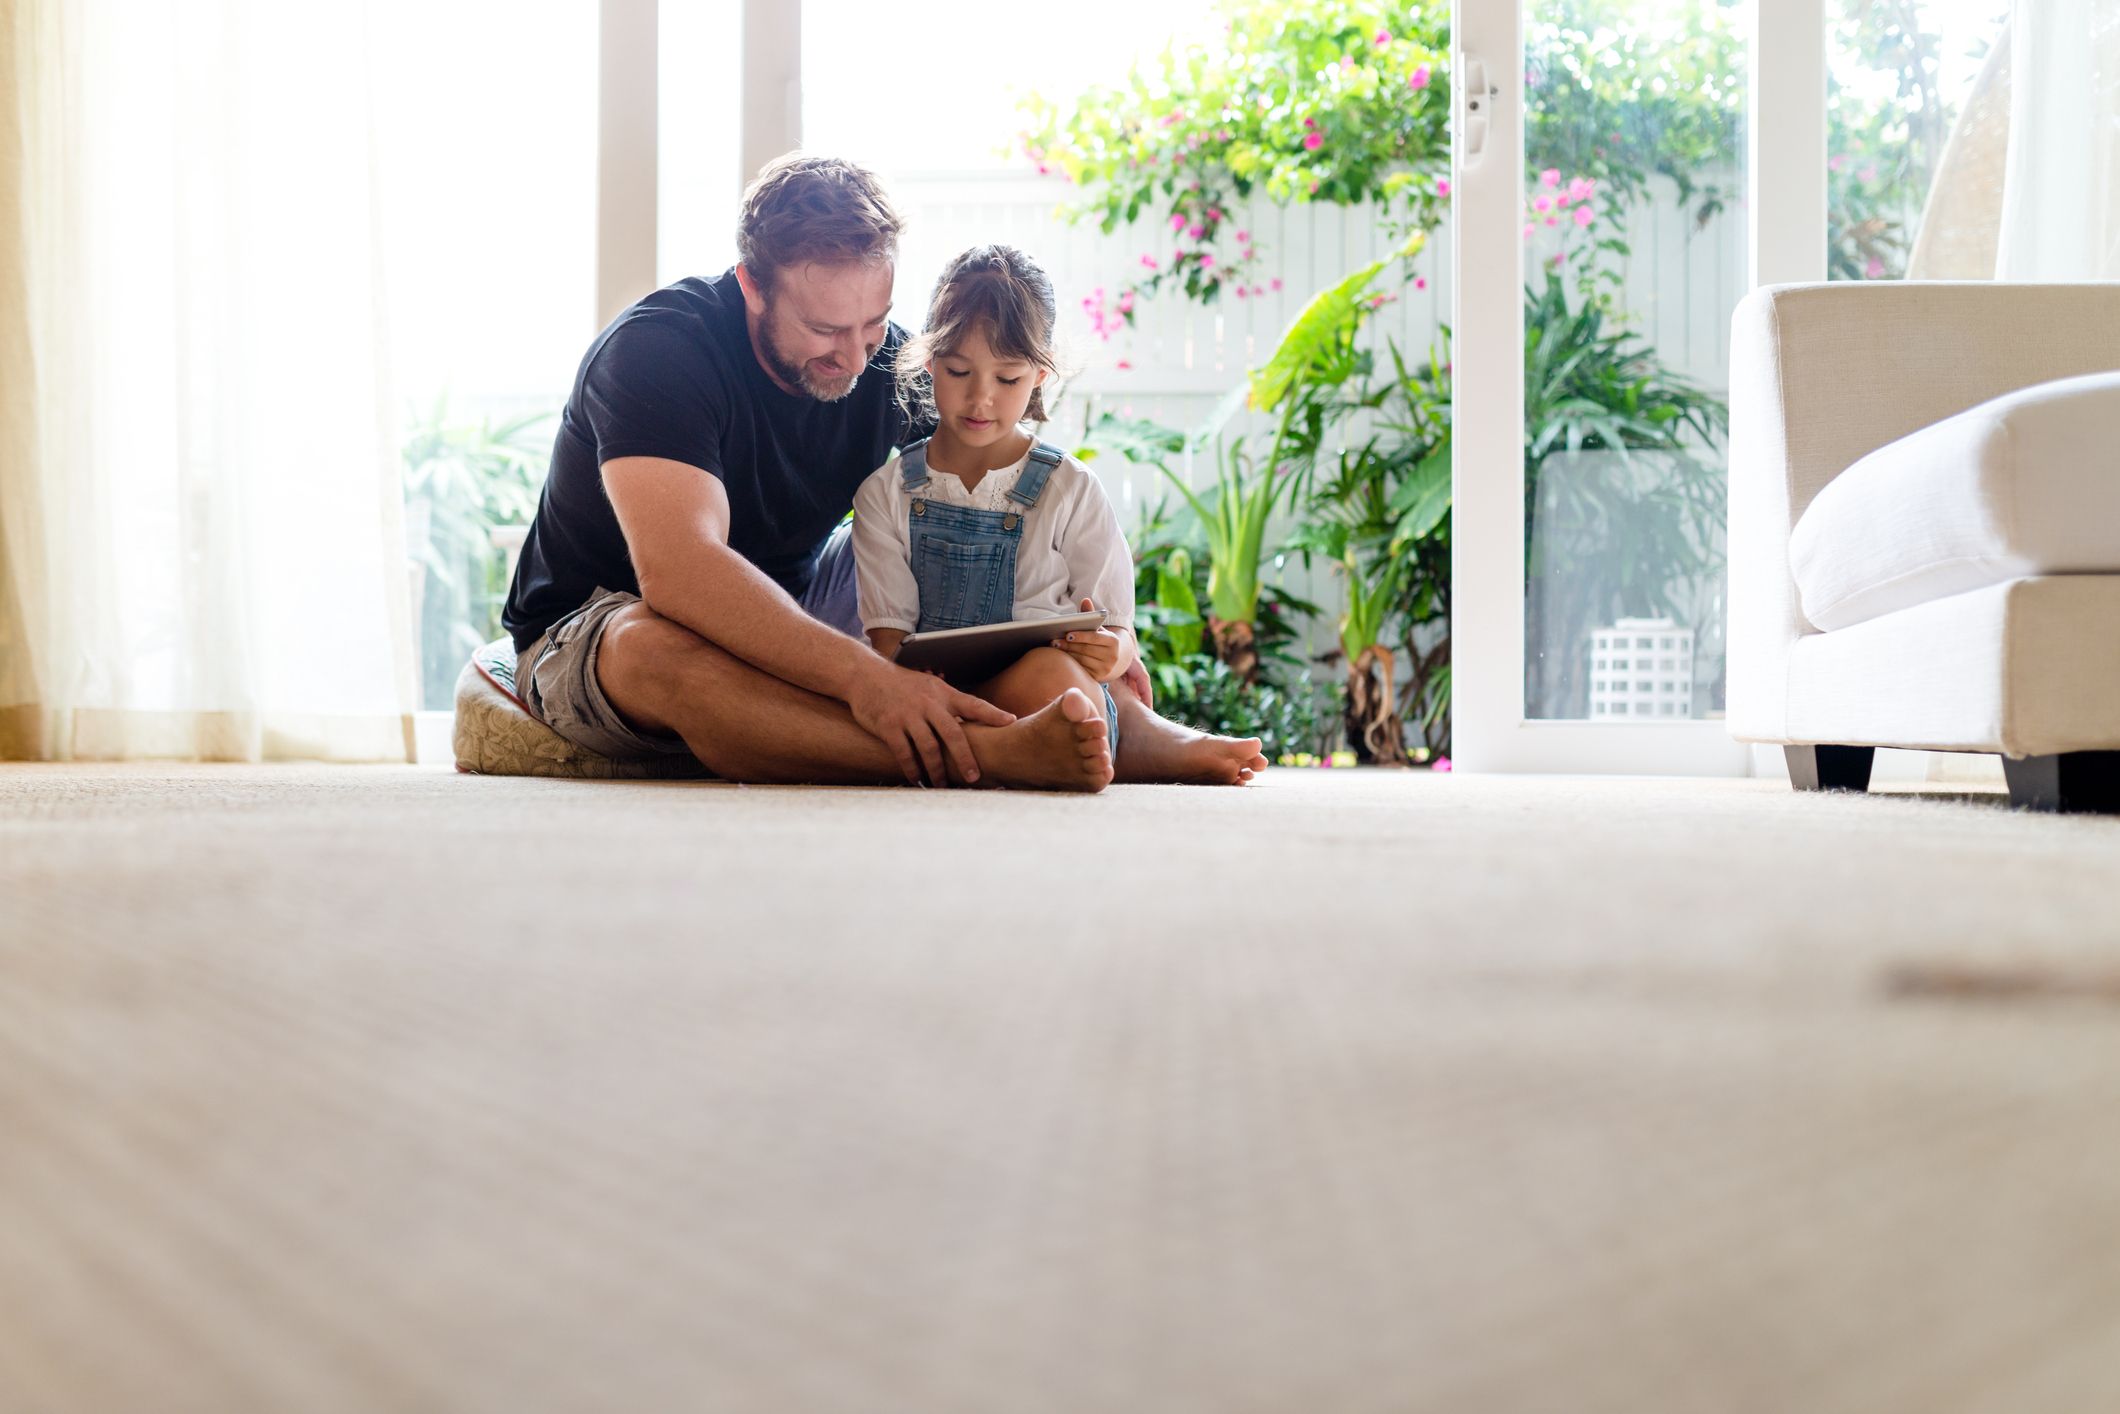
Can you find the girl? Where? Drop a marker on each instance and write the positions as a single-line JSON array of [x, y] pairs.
[[982, 523]]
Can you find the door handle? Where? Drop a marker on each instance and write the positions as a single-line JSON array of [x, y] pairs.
[[1477, 96]]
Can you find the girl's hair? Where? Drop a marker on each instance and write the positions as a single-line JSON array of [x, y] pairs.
[[1002, 293]]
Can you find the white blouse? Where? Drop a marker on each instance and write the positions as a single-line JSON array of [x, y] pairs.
[[1072, 548]]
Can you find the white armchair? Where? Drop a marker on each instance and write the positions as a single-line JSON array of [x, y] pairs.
[[1958, 590]]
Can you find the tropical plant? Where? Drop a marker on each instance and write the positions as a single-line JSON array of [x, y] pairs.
[[1632, 532], [1233, 518], [464, 477], [1280, 705]]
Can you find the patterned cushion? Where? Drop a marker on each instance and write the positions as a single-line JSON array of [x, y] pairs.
[[497, 736]]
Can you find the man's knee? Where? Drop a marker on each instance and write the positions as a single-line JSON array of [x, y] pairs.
[[643, 660]]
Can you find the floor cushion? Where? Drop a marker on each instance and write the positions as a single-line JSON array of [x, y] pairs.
[[496, 735], [2024, 484]]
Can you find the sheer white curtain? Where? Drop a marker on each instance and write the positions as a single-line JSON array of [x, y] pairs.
[[201, 550], [2061, 183]]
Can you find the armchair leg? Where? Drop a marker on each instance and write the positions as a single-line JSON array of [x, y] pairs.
[[1830, 767], [2073, 782]]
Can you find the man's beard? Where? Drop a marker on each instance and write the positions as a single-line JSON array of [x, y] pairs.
[[799, 375]]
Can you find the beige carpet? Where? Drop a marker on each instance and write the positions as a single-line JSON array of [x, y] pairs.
[[379, 1090]]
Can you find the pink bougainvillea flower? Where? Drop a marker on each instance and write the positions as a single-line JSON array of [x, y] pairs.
[[1177, 220], [1347, 64], [1418, 78], [1383, 37], [1551, 177], [1420, 282], [1874, 269], [1441, 763], [1442, 186], [1126, 301], [1242, 292], [1310, 122], [1553, 220], [1214, 213], [1581, 188], [1313, 190], [1544, 203], [1044, 171], [1207, 262], [1261, 289], [1243, 238], [1148, 260], [1276, 282], [1584, 215], [1123, 365], [1195, 232], [1840, 160], [1314, 142], [1528, 229]]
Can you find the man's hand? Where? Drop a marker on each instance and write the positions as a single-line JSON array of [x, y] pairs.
[[916, 715], [1101, 652]]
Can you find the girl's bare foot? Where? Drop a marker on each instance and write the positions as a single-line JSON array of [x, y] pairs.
[[1156, 749], [1061, 746]]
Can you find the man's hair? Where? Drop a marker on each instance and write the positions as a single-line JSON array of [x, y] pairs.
[[1002, 293], [804, 209]]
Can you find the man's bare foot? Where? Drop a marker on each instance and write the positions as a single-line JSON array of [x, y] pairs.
[[1156, 749], [1061, 746]]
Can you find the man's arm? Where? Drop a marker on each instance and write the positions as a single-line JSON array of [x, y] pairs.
[[676, 522], [675, 518], [886, 641]]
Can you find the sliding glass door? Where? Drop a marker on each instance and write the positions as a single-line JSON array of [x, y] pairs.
[[1606, 229]]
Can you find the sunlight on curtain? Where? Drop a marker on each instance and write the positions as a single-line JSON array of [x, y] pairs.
[[2061, 188], [204, 555]]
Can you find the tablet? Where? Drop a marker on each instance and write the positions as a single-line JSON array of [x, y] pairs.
[[973, 654]]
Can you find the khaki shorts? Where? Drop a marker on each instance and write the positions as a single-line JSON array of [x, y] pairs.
[[556, 678]]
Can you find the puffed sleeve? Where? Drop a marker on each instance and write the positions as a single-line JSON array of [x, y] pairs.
[[1100, 564], [890, 598]]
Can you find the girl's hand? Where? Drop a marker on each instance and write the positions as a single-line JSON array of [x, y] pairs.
[[1101, 652]]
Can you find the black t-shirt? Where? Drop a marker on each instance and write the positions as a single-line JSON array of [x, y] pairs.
[[674, 376]]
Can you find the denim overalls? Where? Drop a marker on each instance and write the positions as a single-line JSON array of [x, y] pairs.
[[964, 560]]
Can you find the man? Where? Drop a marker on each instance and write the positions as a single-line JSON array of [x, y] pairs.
[[682, 588]]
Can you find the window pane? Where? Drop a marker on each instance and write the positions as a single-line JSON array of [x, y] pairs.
[[1635, 253], [1917, 126], [487, 171]]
